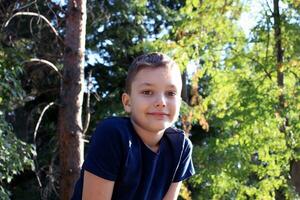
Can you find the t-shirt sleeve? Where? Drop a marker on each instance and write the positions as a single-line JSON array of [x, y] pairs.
[[105, 153], [186, 167]]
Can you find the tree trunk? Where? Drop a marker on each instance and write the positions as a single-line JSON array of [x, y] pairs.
[[279, 53], [184, 92], [295, 165], [71, 97], [295, 170]]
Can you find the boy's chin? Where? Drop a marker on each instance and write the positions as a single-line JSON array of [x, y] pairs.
[[162, 127]]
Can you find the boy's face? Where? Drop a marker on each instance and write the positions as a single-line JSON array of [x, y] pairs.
[[154, 101]]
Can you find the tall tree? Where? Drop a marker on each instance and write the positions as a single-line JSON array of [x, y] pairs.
[[71, 97], [244, 155], [295, 165]]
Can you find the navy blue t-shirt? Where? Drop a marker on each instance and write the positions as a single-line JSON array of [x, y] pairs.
[[117, 153]]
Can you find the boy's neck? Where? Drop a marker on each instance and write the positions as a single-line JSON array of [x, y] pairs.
[[150, 139]]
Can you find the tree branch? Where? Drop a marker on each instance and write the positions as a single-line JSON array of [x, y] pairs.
[[40, 119], [269, 7], [26, 5], [268, 38], [49, 64], [268, 74], [35, 15], [88, 112], [34, 141]]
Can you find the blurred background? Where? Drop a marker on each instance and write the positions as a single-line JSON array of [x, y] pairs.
[[240, 63]]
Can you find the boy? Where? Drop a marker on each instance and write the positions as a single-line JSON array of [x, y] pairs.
[[140, 157]]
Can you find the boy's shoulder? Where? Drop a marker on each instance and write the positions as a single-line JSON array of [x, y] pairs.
[[114, 127], [173, 130], [178, 136], [113, 130]]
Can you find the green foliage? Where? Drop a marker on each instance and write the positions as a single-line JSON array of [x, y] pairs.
[[15, 155], [244, 155], [10, 86], [240, 152], [250, 157]]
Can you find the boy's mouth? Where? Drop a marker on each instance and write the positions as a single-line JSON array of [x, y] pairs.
[[159, 115]]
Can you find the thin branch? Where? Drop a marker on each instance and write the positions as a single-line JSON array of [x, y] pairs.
[[268, 74], [49, 64], [37, 8], [268, 39], [34, 141], [97, 96], [37, 173], [35, 15], [26, 5], [88, 112], [40, 119], [54, 14], [270, 9], [297, 77], [51, 173], [30, 27]]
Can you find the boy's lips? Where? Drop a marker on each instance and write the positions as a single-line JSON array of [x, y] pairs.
[[158, 113]]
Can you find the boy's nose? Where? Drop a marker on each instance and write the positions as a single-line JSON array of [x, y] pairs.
[[160, 102]]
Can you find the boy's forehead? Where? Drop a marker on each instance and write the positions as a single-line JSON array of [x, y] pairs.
[[168, 72], [147, 75]]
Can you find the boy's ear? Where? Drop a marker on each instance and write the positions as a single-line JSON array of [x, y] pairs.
[[126, 102]]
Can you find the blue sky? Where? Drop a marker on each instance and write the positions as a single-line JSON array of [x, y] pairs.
[[249, 18]]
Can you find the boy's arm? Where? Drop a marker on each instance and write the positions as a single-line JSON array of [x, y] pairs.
[[95, 187], [173, 191]]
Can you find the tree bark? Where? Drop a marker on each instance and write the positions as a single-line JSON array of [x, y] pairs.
[[279, 52], [295, 176], [184, 92], [71, 98], [295, 165]]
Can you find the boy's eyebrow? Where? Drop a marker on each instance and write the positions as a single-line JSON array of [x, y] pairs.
[[146, 84], [151, 84]]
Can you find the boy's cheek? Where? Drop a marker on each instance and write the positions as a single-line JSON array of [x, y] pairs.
[[178, 101], [128, 110]]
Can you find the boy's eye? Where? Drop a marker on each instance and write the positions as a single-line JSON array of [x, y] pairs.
[[171, 93], [147, 92]]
